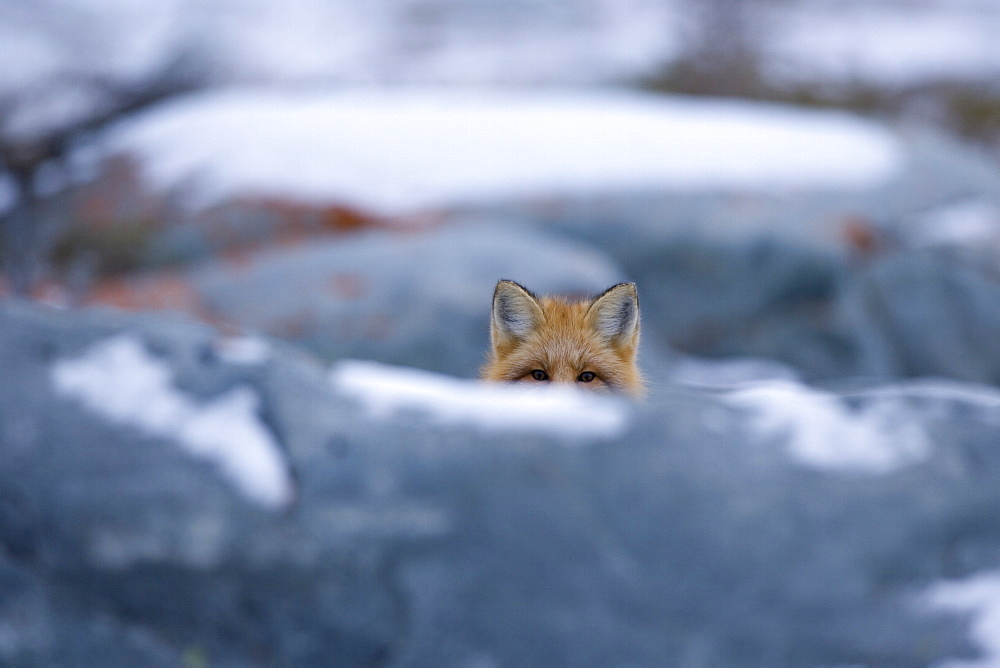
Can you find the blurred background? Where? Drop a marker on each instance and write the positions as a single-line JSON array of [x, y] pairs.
[[205, 205], [183, 156]]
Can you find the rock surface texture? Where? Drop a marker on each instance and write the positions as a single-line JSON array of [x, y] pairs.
[[812, 481], [704, 530]]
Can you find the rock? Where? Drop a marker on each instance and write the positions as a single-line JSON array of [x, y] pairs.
[[936, 171], [422, 299], [723, 272], [416, 299], [756, 298], [885, 177], [699, 534], [917, 314]]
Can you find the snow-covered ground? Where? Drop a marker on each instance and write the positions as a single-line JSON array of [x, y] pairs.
[[874, 431], [886, 43], [458, 41], [968, 222], [121, 381], [57, 59], [400, 150], [822, 430], [408, 105], [385, 390], [979, 597]]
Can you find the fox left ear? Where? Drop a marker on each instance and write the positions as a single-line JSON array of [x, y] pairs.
[[615, 315], [516, 313]]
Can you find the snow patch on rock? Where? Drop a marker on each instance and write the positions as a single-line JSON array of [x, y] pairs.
[[121, 381], [386, 390]]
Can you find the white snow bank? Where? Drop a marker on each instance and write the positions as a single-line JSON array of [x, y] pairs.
[[387, 390], [979, 596], [823, 431], [121, 381], [886, 43], [244, 350], [400, 150], [970, 222], [60, 62]]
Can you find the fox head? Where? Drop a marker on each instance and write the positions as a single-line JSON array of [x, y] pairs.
[[592, 343]]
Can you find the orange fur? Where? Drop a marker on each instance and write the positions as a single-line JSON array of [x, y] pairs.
[[566, 339]]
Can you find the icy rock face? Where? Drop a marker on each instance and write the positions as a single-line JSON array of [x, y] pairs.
[[692, 534]]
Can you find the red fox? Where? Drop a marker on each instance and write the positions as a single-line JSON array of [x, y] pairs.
[[592, 343]]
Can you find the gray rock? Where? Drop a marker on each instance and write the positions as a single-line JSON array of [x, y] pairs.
[[733, 274], [917, 314], [419, 299], [770, 275], [692, 539], [758, 298], [935, 171]]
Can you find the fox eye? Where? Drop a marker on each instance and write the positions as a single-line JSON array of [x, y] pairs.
[[538, 374], [587, 376]]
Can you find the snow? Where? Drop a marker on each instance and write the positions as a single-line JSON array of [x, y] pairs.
[[886, 44], [967, 222], [875, 430], [978, 595], [121, 381], [339, 40], [821, 430], [517, 41], [872, 430], [385, 391], [300, 40], [405, 149], [58, 60], [56, 57], [245, 350], [54, 40]]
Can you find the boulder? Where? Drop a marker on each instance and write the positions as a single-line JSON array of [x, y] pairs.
[[918, 314], [416, 299], [771, 525]]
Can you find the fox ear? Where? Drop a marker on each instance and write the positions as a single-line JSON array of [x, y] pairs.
[[516, 312], [615, 315]]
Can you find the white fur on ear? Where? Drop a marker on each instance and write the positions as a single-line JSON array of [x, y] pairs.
[[615, 314], [516, 311]]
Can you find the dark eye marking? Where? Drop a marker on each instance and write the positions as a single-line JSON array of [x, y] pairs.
[[538, 374], [587, 377]]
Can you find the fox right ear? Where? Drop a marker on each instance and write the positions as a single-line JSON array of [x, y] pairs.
[[615, 315], [516, 313]]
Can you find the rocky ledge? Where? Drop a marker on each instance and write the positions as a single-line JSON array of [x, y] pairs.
[[170, 495]]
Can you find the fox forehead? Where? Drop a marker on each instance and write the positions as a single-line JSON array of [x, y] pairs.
[[566, 321], [560, 312], [564, 330], [562, 339]]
